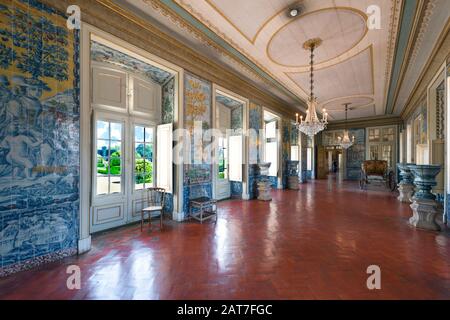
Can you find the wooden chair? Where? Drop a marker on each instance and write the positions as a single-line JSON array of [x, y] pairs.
[[155, 198]]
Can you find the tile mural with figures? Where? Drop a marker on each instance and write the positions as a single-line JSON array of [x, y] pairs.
[[197, 93], [197, 106], [39, 134]]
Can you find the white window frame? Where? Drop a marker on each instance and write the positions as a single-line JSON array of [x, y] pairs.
[[140, 123], [295, 152], [309, 158], [274, 139], [381, 143], [101, 116]]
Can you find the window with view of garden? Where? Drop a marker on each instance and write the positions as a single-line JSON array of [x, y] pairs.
[[223, 158], [109, 157], [143, 158]]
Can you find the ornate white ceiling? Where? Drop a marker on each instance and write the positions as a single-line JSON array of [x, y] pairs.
[[353, 62]]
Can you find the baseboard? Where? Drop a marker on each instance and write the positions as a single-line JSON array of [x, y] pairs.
[[84, 245]]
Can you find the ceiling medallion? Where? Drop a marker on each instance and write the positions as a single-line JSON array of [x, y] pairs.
[[346, 142], [312, 124]]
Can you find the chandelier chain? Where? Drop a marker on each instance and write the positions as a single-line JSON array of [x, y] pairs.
[[346, 142], [311, 124], [312, 71]]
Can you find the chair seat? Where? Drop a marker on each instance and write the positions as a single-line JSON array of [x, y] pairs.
[[153, 208]]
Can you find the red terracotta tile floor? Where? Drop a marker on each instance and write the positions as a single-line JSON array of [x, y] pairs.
[[315, 243]]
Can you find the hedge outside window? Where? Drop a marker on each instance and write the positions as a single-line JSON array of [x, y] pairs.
[[109, 157], [143, 157]]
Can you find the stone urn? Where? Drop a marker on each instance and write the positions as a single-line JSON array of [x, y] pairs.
[[424, 206], [406, 185], [292, 174], [263, 184], [264, 168]]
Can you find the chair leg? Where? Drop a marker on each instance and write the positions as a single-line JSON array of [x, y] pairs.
[[142, 219], [150, 220], [161, 221]]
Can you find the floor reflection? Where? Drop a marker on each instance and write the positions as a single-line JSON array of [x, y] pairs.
[[314, 243]]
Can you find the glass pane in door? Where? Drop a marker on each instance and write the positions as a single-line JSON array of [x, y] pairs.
[[108, 157], [143, 157], [387, 154], [374, 153], [222, 155]]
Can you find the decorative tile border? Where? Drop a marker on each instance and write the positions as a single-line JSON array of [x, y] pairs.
[[36, 261]]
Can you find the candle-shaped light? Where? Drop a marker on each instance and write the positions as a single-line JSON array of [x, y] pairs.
[[296, 118]]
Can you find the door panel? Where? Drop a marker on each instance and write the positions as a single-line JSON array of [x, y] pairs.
[[236, 159], [146, 99], [221, 176], [142, 169], [164, 157], [109, 204], [321, 163], [107, 216], [109, 88]]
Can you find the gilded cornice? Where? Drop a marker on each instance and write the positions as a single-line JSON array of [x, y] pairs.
[[425, 22], [156, 4], [378, 121], [139, 32], [393, 35], [177, 20], [437, 57], [419, 14]]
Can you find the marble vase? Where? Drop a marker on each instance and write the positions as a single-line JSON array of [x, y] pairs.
[[263, 184], [424, 206], [406, 185]]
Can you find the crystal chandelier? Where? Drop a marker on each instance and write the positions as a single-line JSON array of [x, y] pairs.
[[312, 124], [345, 142]]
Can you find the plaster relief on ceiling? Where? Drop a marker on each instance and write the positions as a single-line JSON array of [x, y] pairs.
[[354, 112], [261, 12], [348, 78], [355, 102], [252, 27], [341, 29]]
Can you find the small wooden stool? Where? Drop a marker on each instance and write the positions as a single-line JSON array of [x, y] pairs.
[[207, 208]]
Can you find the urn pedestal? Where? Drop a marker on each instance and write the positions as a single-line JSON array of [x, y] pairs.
[[406, 186], [425, 207], [263, 184], [292, 174]]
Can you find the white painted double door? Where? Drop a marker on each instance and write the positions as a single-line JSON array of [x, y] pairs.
[[130, 151]]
